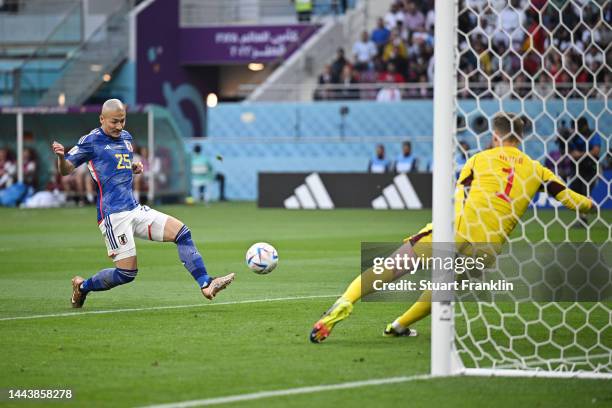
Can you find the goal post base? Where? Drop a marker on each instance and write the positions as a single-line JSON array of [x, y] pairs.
[[498, 372]]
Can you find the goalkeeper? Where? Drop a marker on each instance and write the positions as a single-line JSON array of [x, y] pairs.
[[493, 191]]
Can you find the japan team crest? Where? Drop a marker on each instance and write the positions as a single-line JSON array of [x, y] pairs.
[[128, 145], [122, 239]]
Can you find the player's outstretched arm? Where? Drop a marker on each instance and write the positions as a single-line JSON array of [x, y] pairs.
[[64, 166], [566, 196]]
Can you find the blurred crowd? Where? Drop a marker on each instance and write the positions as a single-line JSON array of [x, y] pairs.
[[397, 51], [528, 47], [534, 48], [78, 188], [43, 186]]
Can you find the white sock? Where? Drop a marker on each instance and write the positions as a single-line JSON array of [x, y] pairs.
[[398, 327]]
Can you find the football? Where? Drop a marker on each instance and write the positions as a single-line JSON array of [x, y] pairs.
[[262, 258]]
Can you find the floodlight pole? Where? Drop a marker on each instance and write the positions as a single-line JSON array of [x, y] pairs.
[[20, 147], [443, 143], [151, 158]]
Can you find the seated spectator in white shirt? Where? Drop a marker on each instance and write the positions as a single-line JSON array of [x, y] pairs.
[[364, 51], [510, 20], [430, 20], [389, 92], [393, 16]]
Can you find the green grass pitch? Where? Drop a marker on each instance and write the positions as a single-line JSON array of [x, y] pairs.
[[205, 350]]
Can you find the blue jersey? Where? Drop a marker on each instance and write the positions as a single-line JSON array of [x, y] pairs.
[[109, 160], [405, 164]]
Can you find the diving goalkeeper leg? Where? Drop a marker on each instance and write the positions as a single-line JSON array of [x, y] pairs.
[[401, 326], [343, 306]]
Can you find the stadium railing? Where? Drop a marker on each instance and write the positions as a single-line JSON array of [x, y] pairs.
[[196, 13], [419, 90]]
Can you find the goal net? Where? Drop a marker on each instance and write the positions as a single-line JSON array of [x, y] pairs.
[[549, 63]]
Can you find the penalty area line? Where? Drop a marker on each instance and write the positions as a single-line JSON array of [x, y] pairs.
[[290, 391], [142, 309]]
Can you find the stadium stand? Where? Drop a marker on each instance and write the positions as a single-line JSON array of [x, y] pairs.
[[404, 36]]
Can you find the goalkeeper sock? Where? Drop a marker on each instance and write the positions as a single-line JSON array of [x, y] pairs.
[[107, 279], [420, 309], [191, 258], [363, 284]]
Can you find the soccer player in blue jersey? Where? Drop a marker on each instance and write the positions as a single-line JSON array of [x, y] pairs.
[[107, 150]]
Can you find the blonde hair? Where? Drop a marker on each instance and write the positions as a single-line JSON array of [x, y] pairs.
[[508, 126]]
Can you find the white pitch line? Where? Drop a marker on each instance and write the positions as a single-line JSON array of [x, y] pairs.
[[290, 391], [141, 309]]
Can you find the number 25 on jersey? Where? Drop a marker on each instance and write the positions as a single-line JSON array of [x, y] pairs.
[[124, 161]]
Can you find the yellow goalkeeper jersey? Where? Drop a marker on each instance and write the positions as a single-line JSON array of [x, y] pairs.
[[495, 188]]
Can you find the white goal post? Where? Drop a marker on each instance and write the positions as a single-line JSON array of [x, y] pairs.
[[524, 338]]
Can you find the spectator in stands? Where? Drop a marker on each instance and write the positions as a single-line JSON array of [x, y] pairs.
[[390, 75], [510, 20], [395, 48], [559, 160], [323, 91], [393, 16], [424, 90], [380, 35], [89, 186], [607, 164], [379, 163], [339, 6], [585, 148], [203, 175], [8, 169], [402, 31], [561, 39], [522, 86], [78, 186], [430, 19], [9, 6], [406, 162], [594, 59], [338, 65], [476, 5], [422, 37], [72, 185], [418, 69], [160, 177], [389, 92], [364, 51], [348, 79], [413, 17], [303, 9], [140, 178], [537, 35], [483, 56], [30, 167]]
